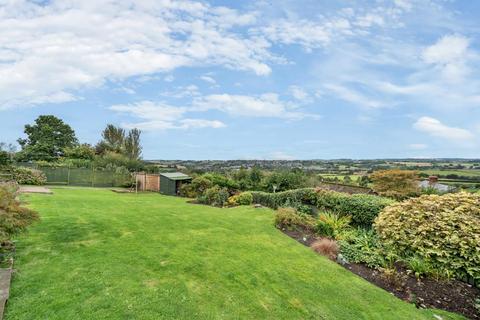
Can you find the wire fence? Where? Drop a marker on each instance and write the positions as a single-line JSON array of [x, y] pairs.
[[88, 177]]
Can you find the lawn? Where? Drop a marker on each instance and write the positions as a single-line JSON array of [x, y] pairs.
[[96, 254]]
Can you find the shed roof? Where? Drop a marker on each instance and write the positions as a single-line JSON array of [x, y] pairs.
[[175, 176]]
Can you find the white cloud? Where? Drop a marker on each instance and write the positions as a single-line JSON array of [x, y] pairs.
[[299, 94], [208, 79], [265, 105], [352, 96], [436, 128], [448, 49], [160, 116], [56, 47], [417, 146], [450, 56]]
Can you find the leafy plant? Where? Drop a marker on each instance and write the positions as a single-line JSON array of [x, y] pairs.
[[23, 175], [287, 218], [443, 231], [331, 225], [214, 196], [363, 246], [13, 217]]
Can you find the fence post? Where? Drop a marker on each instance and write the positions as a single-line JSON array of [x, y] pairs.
[[93, 176], [68, 175]]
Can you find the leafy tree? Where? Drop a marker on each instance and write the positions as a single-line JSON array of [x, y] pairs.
[[46, 139], [82, 151], [133, 148], [284, 180], [255, 176], [113, 140], [397, 184]]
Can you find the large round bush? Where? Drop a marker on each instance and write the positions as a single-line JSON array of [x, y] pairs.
[[443, 230], [30, 176]]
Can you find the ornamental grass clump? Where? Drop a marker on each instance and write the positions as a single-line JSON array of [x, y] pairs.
[[442, 231]]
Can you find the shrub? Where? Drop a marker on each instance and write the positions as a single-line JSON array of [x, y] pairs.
[[326, 247], [444, 231], [287, 218], [214, 196], [363, 246], [362, 208], [285, 198], [331, 225], [397, 184], [198, 186], [245, 199], [13, 217], [30, 176]]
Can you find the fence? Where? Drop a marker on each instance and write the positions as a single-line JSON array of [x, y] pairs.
[[88, 177]]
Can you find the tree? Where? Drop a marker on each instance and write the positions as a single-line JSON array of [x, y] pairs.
[[6, 153], [82, 151], [397, 184], [47, 139], [113, 140], [133, 148]]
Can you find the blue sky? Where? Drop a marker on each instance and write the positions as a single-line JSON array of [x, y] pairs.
[[249, 79]]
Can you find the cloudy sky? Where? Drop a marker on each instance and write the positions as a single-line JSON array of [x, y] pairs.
[[278, 79]]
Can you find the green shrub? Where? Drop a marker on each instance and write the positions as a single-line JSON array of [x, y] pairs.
[[285, 198], [362, 208], [331, 225], [214, 196], [363, 246], [288, 218], [30, 176], [245, 199], [13, 217], [444, 231]]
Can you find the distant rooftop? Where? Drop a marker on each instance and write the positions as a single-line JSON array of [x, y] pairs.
[[175, 175]]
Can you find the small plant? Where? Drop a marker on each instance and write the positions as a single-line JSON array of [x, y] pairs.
[[419, 267], [288, 218], [363, 246], [331, 225], [326, 247]]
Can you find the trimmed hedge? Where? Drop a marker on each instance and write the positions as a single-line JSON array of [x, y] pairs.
[[362, 208]]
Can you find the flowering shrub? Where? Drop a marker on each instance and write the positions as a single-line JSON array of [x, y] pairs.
[[31, 176]]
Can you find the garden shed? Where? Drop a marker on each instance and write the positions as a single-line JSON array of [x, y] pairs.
[[170, 182]]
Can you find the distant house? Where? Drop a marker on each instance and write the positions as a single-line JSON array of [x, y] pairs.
[[432, 182]]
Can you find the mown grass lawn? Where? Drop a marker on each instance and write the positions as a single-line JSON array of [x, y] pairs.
[[96, 254]]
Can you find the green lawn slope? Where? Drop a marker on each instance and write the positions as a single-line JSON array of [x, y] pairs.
[[96, 254]]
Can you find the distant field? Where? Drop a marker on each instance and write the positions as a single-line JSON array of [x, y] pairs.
[[460, 172]]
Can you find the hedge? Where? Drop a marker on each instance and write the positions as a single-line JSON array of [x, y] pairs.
[[362, 208]]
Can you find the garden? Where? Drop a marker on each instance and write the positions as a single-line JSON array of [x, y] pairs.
[[96, 254]]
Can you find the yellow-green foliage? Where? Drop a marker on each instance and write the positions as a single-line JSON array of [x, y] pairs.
[[288, 218], [397, 184], [444, 231]]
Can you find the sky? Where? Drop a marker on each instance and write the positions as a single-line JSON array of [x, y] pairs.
[[283, 79]]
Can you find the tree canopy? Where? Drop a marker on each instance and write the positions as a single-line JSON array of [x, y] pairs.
[[46, 139]]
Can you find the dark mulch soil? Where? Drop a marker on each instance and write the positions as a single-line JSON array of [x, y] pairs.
[[454, 296]]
